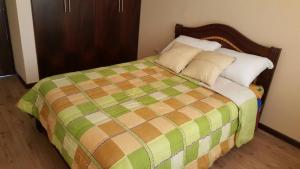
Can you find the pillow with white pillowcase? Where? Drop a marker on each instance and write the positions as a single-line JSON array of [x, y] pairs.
[[196, 43], [246, 67]]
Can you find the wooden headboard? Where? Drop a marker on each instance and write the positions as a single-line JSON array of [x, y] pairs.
[[233, 39]]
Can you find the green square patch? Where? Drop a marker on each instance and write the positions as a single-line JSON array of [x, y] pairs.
[[66, 156], [78, 126], [30, 96], [77, 78], [45, 87], [204, 126], [160, 148], [140, 159], [130, 68], [106, 101], [147, 89], [123, 163], [176, 141], [107, 72], [87, 108], [190, 85], [116, 111], [135, 92], [171, 92], [216, 137], [191, 153], [225, 112], [59, 132], [169, 82], [120, 96], [69, 114], [165, 165], [234, 126], [146, 100]]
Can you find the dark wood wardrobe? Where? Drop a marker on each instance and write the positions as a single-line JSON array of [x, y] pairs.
[[76, 35], [6, 57]]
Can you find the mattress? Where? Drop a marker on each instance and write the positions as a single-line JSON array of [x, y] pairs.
[[137, 115]]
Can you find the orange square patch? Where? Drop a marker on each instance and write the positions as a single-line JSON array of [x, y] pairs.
[[146, 132], [149, 71], [125, 85], [128, 76], [81, 159], [174, 103], [69, 90], [102, 82], [111, 128], [220, 97], [61, 104], [96, 93], [196, 95], [108, 154], [146, 113], [204, 107], [203, 162], [149, 79], [177, 117]]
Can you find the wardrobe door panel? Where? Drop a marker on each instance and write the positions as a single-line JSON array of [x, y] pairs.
[[129, 29], [49, 18], [6, 58], [107, 38], [80, 33]]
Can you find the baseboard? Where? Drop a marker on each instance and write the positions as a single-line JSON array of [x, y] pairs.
[[27, 86], [279, 135]]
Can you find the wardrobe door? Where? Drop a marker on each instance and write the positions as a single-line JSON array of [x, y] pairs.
[[49, 21], [6, 58], [107, 38], [79, 34], [129, 29]]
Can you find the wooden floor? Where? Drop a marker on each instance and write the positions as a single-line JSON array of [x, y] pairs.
[[23, 147]]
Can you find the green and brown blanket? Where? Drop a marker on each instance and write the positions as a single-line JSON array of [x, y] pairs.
[[134, 115]]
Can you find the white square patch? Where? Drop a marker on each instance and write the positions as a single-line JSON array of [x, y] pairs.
[[62, 82], [132, 105], [140, 66], [225, 132], [70, 146], [177, 161], [182, 88], [119, 70], [93, 75], [158, 95], [204, 146], [97, 118]]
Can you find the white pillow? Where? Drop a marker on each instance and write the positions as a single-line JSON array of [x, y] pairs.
[[196, 43], [245, 68]]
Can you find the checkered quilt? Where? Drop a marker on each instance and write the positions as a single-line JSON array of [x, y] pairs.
[[134, 115]]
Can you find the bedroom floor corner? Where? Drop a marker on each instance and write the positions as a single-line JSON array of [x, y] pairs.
[[22, 145]]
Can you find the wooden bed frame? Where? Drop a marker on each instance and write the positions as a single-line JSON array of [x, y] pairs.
[[233, 39]]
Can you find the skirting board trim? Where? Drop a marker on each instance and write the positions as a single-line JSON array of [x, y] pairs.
[[279, 135]]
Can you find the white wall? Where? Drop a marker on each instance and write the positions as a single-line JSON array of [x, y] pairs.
[[269, 22], [22, 36]]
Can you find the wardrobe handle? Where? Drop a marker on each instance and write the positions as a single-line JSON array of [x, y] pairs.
[[65, 6], [122, 6], [70, 10], [119, 6]]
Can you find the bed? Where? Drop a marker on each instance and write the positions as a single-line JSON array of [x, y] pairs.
[[138, 115]]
